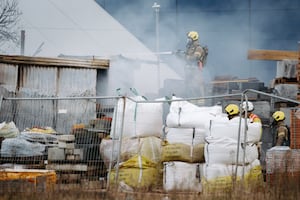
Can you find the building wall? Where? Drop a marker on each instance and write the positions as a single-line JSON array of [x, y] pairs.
[[23, 80]]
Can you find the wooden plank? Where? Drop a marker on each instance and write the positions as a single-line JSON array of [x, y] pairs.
[[254, 54], [67, 167], [80, 63]]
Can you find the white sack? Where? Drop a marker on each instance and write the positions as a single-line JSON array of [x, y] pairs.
[[140, 119], [224, 151], [230, 128], [182, 176], [213, 171], [148, 147], [188, 136], [8, 130], [188, 115]]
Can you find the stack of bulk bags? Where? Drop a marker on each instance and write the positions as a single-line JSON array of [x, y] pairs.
[[183, 147], [225, 157], [135, 135]]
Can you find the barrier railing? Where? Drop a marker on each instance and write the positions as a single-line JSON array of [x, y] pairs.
[[134, 143]]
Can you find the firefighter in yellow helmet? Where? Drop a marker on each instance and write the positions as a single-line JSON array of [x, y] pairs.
[[194, 57], [194, 52], [281, 130], [232, 111]]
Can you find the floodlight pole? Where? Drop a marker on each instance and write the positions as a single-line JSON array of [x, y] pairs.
[[156, 9]]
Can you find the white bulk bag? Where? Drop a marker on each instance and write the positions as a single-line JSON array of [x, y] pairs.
[[148, 147], [230, 128], [188, 115], [182, 176], [215, 171], [141, 119], [8, 130], [188, 136], [224, 151]]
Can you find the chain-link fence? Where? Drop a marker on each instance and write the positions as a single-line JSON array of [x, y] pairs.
[[55, 138], [131, 143]]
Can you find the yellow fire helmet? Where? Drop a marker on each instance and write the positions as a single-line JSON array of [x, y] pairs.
[[193, 35], [278, 115], [232, 109]]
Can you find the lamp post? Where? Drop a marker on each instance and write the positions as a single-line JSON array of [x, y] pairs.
[[156, 9]]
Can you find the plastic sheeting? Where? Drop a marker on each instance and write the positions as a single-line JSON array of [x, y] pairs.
[[18, 146]]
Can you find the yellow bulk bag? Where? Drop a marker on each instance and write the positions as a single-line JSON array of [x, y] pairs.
[[254, 177], [183, 152], [220, 177], [137, 172]]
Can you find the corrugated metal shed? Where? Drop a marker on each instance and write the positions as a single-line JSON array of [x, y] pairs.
[[22, 76], [36, 76]]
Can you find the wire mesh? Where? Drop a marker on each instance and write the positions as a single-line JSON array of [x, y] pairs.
[[60, 135], [102, 143]]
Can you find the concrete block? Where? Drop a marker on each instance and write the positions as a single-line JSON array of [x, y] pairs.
[[56, 154], [66, 145], [70, 157], [79, 152], [69, 151], [67, 138]]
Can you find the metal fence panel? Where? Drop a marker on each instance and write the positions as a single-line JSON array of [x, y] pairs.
[[83, 151], [60, 135]]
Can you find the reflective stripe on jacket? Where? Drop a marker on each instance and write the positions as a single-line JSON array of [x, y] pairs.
[[254, 118]]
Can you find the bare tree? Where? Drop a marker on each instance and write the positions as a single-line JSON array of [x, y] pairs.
[[9, 17]]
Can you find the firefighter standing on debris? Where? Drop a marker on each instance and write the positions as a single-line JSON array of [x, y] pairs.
[[281, 130], [195, 57], [232, 111]]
